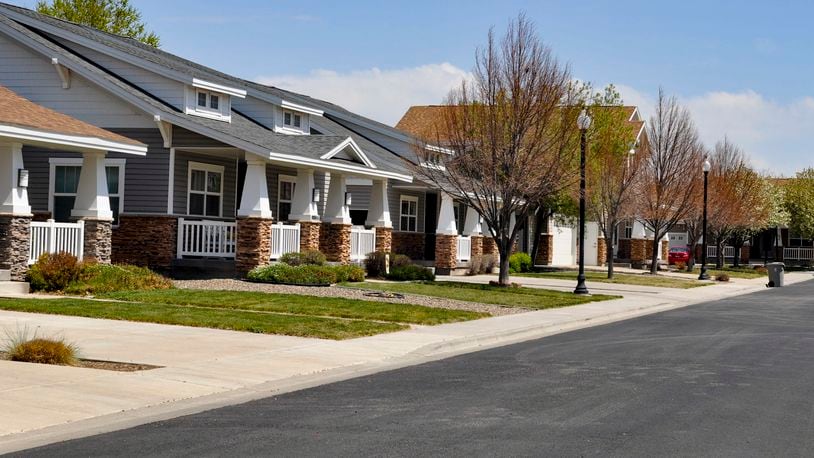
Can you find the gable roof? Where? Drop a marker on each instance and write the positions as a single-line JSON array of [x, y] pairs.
[[25, 120]]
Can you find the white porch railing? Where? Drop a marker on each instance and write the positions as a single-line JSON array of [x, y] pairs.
[[362, 242], [729, 252], [285, 238], [798, 253], [464, 252], [53, 237], [213, 239]]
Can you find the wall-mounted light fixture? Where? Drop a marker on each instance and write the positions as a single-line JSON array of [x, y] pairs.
[[22, 178]]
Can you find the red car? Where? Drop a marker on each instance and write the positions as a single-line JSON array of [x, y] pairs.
[[678, 255]]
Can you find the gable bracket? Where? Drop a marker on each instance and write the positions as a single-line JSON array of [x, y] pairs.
[[63, 72], [166, 130]]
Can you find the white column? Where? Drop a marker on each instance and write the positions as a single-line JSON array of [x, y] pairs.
[[15, 198], [379, 213], [254, 202], [472, 224], [92, 200], [336, 212], [446, 216], [302, 208]]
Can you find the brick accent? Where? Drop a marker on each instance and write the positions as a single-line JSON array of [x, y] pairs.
[[446, 250], [41, 216], [334, 241], [145, 241], [408, 243], [98, 240], [745, 252], [309, 235], [638, 252], [384, 239], [601, 251], [665, 249], [490, 246], [253, 243], [545, 250], [623, 249], [15, 237], [477, 245]]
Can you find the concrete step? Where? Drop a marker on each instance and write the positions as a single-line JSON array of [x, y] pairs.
[[5, 275], [14, 287]]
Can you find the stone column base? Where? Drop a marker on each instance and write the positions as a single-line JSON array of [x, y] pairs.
[[384, 239], [545, 250], [477, 245], [638, 252], [489, 246], [601, 251], [309, 235], [334, 242], [98, 240], [446, 253], [665, 249], [15, 239], [148, 241], [253, 244]]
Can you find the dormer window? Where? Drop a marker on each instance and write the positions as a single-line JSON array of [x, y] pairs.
[[295, 122], [291, 119], [209, 104]]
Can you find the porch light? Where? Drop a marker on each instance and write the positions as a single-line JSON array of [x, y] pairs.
[[584, 121], [22, 178], [707, 165], [315, 195], [348, 199]]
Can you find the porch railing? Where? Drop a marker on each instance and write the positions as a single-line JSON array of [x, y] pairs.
[[211, 239], [729, 252], [464, 251], [285, 238], [362, 242], [53, 237], [799, 253]]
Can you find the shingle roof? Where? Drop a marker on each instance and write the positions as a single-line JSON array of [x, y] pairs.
[[18, 111]]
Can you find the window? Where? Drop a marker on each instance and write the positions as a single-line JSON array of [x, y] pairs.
[[208, 104], [291, 119], [798, 241], [65, 173], [628, 230], [409, 213], [205, 189], [285, 195]]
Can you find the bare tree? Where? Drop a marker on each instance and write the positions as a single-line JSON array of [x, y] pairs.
[[511, 135], [666, 194]]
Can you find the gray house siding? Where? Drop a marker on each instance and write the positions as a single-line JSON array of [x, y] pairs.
[[260, 111], [35, 160], [181, 181], [32, 75]]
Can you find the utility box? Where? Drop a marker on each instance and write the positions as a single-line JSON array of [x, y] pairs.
[[776, 272]]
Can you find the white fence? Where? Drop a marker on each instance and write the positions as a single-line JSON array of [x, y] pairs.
[[284, 239], [798, 253], [729, 252], [464, 251], [53, 237], [362, 242], [212, 239]]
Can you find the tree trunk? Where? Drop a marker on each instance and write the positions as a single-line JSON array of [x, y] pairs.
[[542, 217], [719, 255], [504, 252], [654, 259], [609, 255], [736, 260]]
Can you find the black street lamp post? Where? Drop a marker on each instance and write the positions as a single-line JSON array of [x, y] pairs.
[[704, 275], [584, 123]]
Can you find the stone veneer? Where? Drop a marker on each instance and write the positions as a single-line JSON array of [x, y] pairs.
[[145, 240], [545, 250], [334, 242], [490, 246], [623, 249], [638, 252], [408, 243], [477, 246], [446, 253], [309, 235], [15, 238], [98, 240], [253, 243], [601, 251], [384, 239]]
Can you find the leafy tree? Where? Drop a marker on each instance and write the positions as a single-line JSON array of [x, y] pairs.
[[799, 203], [114, 16]]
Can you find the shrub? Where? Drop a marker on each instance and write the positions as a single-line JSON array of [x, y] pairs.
[[54, 272], [375, 262], [105, 278], [481, 264], [489, 263], [410, 272], [309, 275], [681, 265], [305, 258], [399, 260], [520, 262], [761, 269], [349, 273], [20, 347], [722, 277]]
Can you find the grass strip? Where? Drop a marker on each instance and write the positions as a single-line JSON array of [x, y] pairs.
[[301, 305], [235, 320], [660, 281], [741, 272]]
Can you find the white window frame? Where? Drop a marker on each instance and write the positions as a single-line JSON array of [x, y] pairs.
[[405, 198], [285, 179], [282, 127], [208, 168], [55, 162], [222, 113]]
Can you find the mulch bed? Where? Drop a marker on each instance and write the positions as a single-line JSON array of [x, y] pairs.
[[103, 365]]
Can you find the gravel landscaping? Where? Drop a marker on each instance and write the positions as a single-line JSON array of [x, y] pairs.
[[349, 293]]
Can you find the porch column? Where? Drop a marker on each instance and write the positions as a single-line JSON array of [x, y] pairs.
[[638, 245], [92, 205], [472, 228], [304, 210], [446, 237], [379, 216], [254, 220], [15, 213], [336, 226]]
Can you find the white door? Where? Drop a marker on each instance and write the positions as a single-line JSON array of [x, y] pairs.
[[591, 245], [564, 242]]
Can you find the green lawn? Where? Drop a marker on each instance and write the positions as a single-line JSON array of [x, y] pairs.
[[293, 315], [740, 272], [626, 279], [530, 298]]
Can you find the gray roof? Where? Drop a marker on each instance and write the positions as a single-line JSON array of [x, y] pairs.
[[240, 128]]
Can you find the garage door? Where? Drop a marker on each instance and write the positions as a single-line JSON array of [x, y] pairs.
[[564, 246]]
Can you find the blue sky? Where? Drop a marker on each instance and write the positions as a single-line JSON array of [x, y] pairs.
[[743, 68]]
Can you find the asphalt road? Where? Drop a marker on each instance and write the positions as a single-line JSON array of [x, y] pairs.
[[728, 378]]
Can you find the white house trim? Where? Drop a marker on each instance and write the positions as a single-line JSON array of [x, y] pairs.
[[54, 162], [80, 143], [348, 142], [358, 170], [209, 86], [166, 130], [301, 108], [209, 168], [64, 73]]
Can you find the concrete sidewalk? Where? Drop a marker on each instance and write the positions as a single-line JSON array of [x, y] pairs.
[[205, 368]]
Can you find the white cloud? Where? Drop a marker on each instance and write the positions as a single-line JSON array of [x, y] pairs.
[[383, 95]]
